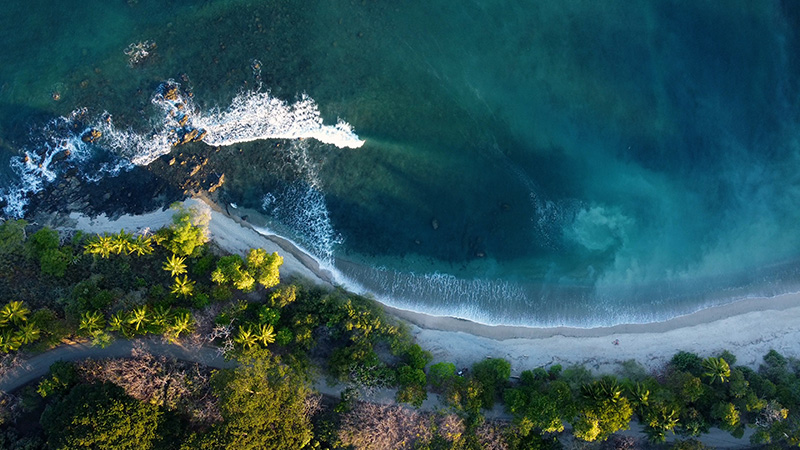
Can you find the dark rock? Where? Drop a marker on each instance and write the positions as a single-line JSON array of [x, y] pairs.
[[91, 135], [61, 155]]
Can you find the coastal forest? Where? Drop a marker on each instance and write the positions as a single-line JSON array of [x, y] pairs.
[[298, 365]]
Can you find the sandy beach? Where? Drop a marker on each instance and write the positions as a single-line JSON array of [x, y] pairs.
[[748, 328]]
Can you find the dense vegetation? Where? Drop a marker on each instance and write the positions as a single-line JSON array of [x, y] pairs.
[[284, 335]]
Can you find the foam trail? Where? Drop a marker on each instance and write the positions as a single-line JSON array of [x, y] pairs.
[[256, 115]]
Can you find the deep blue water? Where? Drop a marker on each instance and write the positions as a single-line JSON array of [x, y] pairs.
[[526, 162]]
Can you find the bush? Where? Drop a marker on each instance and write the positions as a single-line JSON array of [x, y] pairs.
[[12, 236], [687, 362], [62, 377], [441, 374], [492, 374]]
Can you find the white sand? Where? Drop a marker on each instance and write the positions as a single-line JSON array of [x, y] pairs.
[[227, 233], [748, 328]]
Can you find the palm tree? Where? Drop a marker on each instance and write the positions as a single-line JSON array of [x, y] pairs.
[[14, 312], [120, 243], [607, 388], [716, 369], [181, 323], [28, 333], [175, 265], [183, 286], [161, 317], [640, 394], [265, 334], [138, 317], [117, 322], [92, 321], [101, 339], [246, 337], [140, 246], [9, 342], [100, 245], [218, 276]]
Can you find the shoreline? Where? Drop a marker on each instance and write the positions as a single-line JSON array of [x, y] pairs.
[[748, 328]]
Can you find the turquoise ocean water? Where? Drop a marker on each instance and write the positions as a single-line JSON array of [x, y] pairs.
[[532, 162]]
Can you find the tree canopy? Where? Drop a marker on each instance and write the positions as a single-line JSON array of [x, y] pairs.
[[100, 416]]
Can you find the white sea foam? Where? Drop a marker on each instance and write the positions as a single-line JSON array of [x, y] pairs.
[[252, 115], [257, 115], [303, 209], [59, 140]]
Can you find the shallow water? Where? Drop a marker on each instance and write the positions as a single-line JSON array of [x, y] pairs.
[[526, 162]]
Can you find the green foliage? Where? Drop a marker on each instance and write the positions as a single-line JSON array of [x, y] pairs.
[[687, 362], [492, 375], [541, 407], [44, 247], [91, 322], [12, 236], [265, 334], [175, 265], [41, 241], [183, 287], [727, 415], [412, 383], [264, 267], [686, 386], [101, 339], [14, 312], [55, 261], [284, 337], [729, 357], [100, 416], [15, 330], [599, 418], [52, 329], [716, 370], [117, 322], [441, 375], [138, 318], [61, 379], [418, 358], [659, 419], [28, 333], [268, 315], [186, 234], [261, 268], [181, 323], [283, 296], [9, 341], [262, 402], [576, 377], [246, 337], [632, 370], [99, 246]]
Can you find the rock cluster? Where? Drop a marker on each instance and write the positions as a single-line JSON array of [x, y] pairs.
[[182, 131]]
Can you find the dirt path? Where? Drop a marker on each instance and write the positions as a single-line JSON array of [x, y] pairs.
[[39, 365]]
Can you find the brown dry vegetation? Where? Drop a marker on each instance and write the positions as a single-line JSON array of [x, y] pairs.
[[371, 426], [158, 380]]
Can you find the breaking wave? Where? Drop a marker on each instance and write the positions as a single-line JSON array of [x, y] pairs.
[[68, 143]]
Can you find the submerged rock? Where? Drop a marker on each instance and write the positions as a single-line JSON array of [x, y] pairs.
[[91, 135], [61, 155]]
